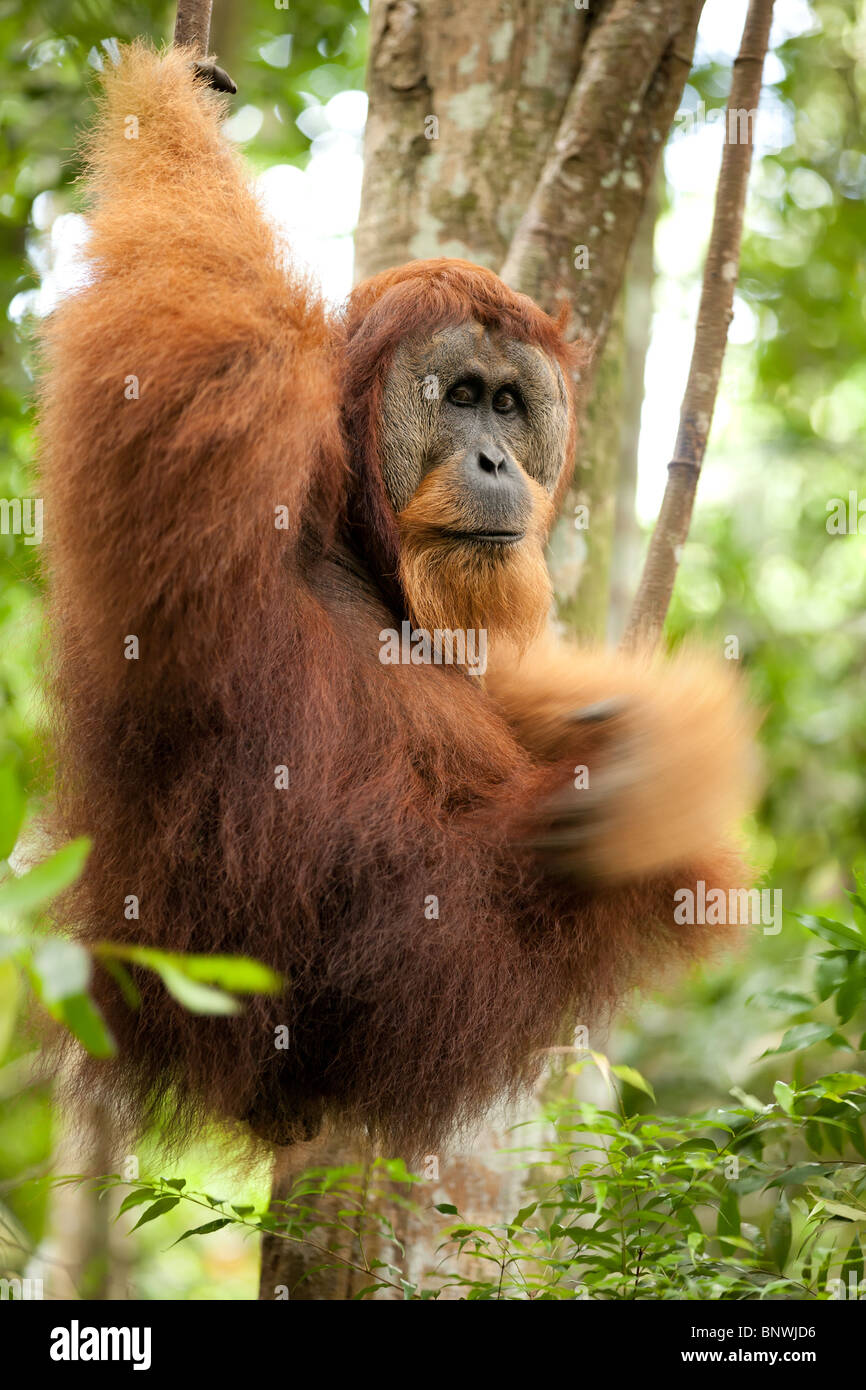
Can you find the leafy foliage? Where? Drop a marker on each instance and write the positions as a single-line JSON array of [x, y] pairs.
[[747, 1200], [59, 969]]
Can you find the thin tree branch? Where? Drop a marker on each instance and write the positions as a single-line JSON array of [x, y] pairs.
[[192, 31], [192, 26], [714, 316]]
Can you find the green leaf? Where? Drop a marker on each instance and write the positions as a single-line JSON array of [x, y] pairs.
[[13, 944], [81, 1016], [841, 1209], [853, 1262], [523, 1215], [786, 1000], [841, 1083], [10, 988], [822, 1270], [814, 1136], [159, 1208], [634, 1078], [12, 806], [135, 1199], [785, 1096], [199, 999], [185, 976], [61, 969], [804, 1035], [849, 997], [779, 1235], [837, 933], [728, 1222], [42, 883], [800, 1173], [60, 972], [239, 974], [128, 987], [748, 1100], [205, 1230], [831, 973]]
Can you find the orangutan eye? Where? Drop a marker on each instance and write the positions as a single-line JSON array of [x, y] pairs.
[[464, 393], [505, 401]]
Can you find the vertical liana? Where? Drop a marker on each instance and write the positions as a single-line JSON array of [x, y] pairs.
[[711, 334], [192, 26]]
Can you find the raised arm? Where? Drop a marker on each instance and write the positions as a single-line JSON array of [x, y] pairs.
[[189, 390]]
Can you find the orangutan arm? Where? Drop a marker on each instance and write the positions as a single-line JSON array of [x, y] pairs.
[[190, 419], [656, 755]]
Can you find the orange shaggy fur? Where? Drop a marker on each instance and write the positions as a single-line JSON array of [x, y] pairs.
[[259, 648], [444, 590]]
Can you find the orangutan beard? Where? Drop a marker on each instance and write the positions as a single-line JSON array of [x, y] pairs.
[[454, 582]]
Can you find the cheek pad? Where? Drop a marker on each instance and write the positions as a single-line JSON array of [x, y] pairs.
[[545, 443], [410, 415]]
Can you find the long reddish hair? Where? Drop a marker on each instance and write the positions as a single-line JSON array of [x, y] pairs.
[[417, 299], [256, 780]]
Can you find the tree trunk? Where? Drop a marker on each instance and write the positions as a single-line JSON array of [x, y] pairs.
[[463, 102], [581, 544], [574, 239], [88, 1256], [298, 1271]]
